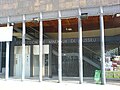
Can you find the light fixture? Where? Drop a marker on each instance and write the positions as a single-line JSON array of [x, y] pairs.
[[84, 15], [68, 29], [36, 19], [12, 24], [117, 14], [64, 54]]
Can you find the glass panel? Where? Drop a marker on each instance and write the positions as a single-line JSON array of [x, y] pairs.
[[70, 53], [91, 47]]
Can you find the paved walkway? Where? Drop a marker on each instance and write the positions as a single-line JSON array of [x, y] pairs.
[[13, 84], [51, 84]]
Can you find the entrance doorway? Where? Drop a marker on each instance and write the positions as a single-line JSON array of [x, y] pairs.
[[18, 61], [45, 63]]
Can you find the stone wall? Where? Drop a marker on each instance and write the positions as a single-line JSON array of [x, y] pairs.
[[16, 7]]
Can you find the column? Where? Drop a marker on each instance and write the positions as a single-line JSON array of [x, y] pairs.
[[80, 48], [7, 55], [103, 79], [23, 48], [59, 48], [40, 48], [0, 56]]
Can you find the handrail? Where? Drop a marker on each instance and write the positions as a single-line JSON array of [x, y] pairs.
[[33, 29], [86, 49], [91, 51], [88, 53], [36, 32], [55, 48], [91, 55]]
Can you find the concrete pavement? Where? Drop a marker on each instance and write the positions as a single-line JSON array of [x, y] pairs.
[[45, 85]]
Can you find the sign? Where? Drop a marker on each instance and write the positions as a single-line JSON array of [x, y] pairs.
[[6, 33], [55, 41], [85, 40]]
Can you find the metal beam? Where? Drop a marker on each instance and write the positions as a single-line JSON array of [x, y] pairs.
[[103, 79]]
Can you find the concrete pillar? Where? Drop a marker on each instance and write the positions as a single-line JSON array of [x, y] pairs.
[[7, 56], [40, 48], [103, 79], [80, 49], [59, 48], [0, 56], [23, 48]]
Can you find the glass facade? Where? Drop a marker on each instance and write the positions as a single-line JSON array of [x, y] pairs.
[[63, 58]]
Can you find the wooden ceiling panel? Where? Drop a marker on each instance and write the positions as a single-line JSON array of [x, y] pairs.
[[91, 23]]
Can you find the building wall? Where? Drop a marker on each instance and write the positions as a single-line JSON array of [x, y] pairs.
[[16, 7]]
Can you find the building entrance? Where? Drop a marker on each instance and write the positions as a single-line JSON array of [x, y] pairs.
[[45, 65], [45, 62], [18, 61], [31, 61]]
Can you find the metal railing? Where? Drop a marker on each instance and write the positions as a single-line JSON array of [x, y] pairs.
[[70, 63], [92, 55]]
